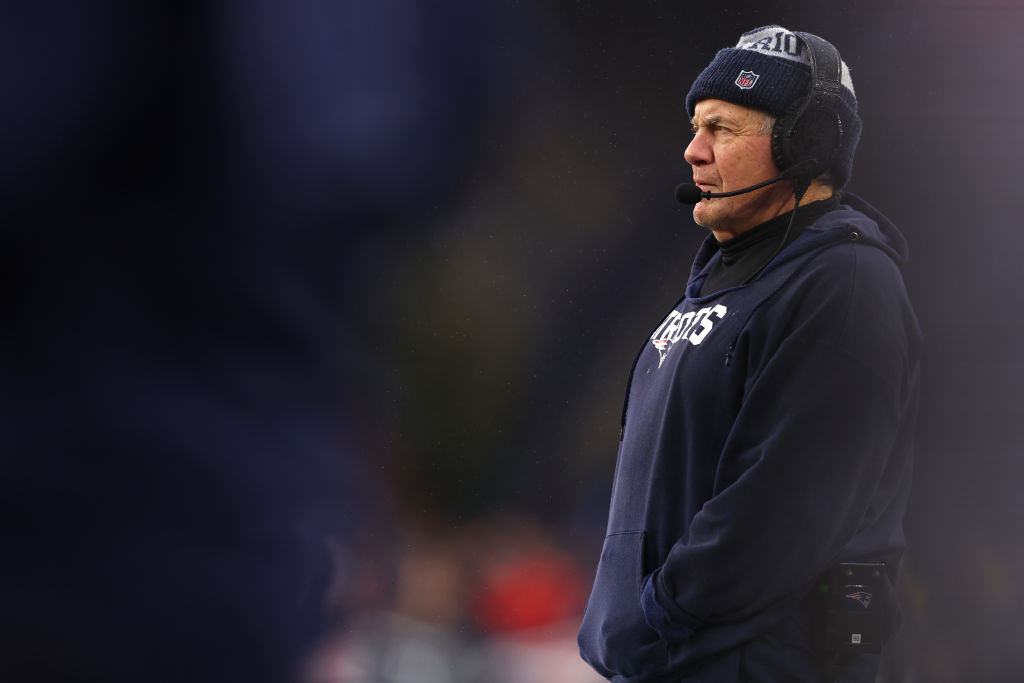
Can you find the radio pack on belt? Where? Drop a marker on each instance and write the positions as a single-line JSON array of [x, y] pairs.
[[856, 617], [853, 613]]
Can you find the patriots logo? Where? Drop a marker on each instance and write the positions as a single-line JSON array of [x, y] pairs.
[[692, 327], [663, 346], [863, 597]]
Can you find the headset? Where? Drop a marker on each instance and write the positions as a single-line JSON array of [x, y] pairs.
[[810, 131]]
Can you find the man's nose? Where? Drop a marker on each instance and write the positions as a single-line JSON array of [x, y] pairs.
[[698, 151]]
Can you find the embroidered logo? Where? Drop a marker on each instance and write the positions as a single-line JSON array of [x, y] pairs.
[[746, 80], [863, 597], [663, 345]]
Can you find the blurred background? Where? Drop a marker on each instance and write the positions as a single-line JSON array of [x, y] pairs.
[[339, 298]]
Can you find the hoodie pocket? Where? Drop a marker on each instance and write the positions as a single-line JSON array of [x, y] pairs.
[[614, 637]]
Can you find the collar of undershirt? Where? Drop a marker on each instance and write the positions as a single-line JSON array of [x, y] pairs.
[[734, 249], [745, 255]]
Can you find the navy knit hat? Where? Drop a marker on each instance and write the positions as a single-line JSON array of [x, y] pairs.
[[769, 70]]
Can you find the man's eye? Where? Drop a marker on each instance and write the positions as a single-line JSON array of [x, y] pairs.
[[713, 128]]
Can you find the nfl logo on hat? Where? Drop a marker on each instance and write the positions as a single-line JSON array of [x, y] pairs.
[[746, 80]]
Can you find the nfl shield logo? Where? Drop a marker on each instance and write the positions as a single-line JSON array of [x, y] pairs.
[[746, 80]]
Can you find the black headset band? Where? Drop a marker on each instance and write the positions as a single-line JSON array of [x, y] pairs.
[[826, 65]]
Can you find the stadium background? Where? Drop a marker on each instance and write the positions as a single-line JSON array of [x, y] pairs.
[[478, 228], [506, 325]]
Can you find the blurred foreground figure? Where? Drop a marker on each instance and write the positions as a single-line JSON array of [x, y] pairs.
[[755, 528], [186, 194]]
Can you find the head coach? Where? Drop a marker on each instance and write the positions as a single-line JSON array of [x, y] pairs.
[[755, 525]]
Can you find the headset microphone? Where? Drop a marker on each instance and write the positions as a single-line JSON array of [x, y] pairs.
[[688, 193]]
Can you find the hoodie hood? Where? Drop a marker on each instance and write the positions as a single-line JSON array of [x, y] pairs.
[[855, 219]]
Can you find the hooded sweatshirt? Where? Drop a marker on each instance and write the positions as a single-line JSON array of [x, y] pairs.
[[767, 435]]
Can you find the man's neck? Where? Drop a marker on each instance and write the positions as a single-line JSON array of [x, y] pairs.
[[815, 192]]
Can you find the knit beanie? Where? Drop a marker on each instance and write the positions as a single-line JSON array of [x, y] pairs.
[[769, 70]]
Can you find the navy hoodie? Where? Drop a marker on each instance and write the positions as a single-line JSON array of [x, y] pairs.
[[767, 435]]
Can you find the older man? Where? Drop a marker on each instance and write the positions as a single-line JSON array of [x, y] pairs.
[[755, 526]]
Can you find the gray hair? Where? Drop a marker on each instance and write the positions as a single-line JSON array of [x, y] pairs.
[[765, 122]]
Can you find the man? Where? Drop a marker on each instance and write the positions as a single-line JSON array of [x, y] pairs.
[[767, 431]]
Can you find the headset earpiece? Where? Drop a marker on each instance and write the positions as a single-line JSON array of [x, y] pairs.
[[811, 128]]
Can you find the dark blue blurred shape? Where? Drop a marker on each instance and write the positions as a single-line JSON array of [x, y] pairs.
[[186, 195]]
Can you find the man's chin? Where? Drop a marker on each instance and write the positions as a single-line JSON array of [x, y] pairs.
[[713, 222], [701, 215]]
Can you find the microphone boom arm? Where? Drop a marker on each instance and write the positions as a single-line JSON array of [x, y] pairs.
[[688, 193]]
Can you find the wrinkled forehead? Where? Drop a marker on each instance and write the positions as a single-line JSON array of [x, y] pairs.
[[714, 111]]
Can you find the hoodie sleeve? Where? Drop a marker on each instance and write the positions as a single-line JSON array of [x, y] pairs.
[[817, 452]]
